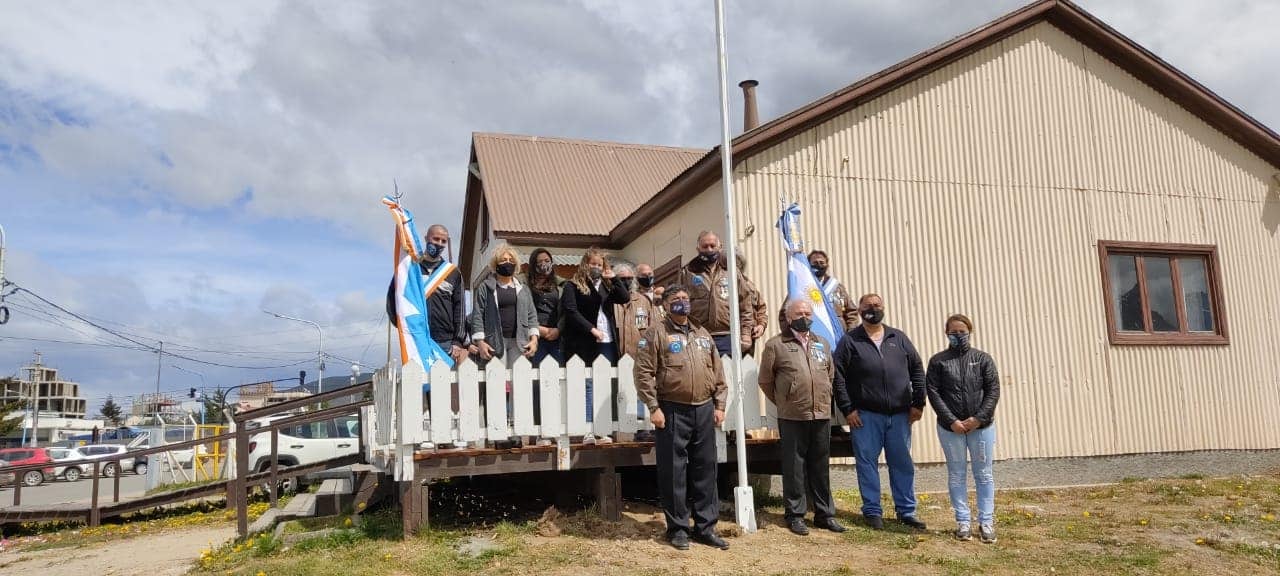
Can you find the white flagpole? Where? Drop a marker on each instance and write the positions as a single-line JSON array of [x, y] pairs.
[[743, 500]]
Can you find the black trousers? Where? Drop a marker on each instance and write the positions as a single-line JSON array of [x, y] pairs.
[[806, 467], [686, 454]]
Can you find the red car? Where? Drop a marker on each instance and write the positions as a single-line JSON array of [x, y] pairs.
[[25, 456]]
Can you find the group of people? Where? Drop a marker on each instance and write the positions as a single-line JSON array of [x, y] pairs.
[[677, 335]]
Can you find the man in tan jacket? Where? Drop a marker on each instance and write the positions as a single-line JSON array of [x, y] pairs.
[[679, 378], [796, 372], [707, 279], [633, 319]]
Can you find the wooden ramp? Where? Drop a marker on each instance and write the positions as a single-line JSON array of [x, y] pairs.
[[85, 512]]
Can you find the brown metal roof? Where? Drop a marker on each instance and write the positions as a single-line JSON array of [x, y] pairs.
[[1072, 19], [537, 185]]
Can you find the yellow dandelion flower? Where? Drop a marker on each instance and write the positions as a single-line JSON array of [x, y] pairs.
[[1226, 517], [347, 522], [1087, 514], [262, 573], [386, 556], [1143, 522], [1269, 517]]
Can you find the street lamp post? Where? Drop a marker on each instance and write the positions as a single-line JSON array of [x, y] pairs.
[[203, 385], [319, 355]]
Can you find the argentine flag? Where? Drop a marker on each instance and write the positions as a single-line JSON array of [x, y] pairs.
[[801, 283], [416, 344]]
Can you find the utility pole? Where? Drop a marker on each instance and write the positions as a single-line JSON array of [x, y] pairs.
[[4, 311], [35, 398], [159, 362]]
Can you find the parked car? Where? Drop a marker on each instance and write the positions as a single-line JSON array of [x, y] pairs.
[[70, 464], [304, 443], [110, 469], [6, 478], [26, 456]]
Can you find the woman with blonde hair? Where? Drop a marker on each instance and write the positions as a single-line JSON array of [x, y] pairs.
[[587, 305], [504, 321]]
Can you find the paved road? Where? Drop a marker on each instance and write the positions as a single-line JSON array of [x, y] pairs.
[[61, 491]]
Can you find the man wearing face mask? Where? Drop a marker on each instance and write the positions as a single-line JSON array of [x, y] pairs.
[[446, 304], [679, 378], [795, 374], [644, 285], [634, 318], [707, 279], [880, 388], [834, 289]]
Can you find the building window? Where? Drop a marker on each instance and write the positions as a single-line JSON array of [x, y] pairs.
[[1162, 294]]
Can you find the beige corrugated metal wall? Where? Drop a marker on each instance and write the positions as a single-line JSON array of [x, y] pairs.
[[983, 188]]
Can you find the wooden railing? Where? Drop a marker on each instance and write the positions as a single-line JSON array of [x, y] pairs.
[[402, 420]]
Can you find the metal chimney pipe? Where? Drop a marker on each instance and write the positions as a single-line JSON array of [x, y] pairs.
[[750, 117]]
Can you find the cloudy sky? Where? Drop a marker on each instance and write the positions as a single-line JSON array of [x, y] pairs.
[[169, 170]]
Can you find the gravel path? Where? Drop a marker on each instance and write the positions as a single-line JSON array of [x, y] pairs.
[[169, 554]]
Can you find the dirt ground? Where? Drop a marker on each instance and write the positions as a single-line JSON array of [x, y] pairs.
[[1226, 526], [170, 553]]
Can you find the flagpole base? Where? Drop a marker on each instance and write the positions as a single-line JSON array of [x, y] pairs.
[[745, 504]]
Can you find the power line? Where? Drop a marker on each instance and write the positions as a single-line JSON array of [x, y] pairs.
[[144, 345]]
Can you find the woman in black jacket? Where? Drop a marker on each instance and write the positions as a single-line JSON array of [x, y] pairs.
[[964, 389], [545, 288], [586, 303]]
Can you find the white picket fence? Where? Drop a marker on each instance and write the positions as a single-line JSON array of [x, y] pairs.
[[401, 422]]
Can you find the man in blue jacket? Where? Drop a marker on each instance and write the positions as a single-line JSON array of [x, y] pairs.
[[880, 388]]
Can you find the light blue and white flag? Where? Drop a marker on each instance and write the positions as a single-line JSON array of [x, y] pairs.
[[801, 283], [412, 291]]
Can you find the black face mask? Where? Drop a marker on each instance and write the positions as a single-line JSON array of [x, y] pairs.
[[645, 281], [626, 283], [819, 271], [800, 325], [595, 273], [873, 315], [506, 269], [709, 257]]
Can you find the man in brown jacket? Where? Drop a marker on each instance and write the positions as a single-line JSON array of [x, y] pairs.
[[633, 319], [707, 279], [836, 293], [679, 378], [796, 372]]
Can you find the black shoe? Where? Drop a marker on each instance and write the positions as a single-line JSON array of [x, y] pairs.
[[829, 524], [679, 540], [913, 523], [797, 527], [874, 522], [712, 540]]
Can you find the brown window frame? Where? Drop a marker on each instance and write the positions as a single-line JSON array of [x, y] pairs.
[[1213, 269]]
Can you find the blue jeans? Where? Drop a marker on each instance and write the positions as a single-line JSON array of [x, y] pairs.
[[547, 348], [977, 447], [724, 344], [890, 434], [610, 352]]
